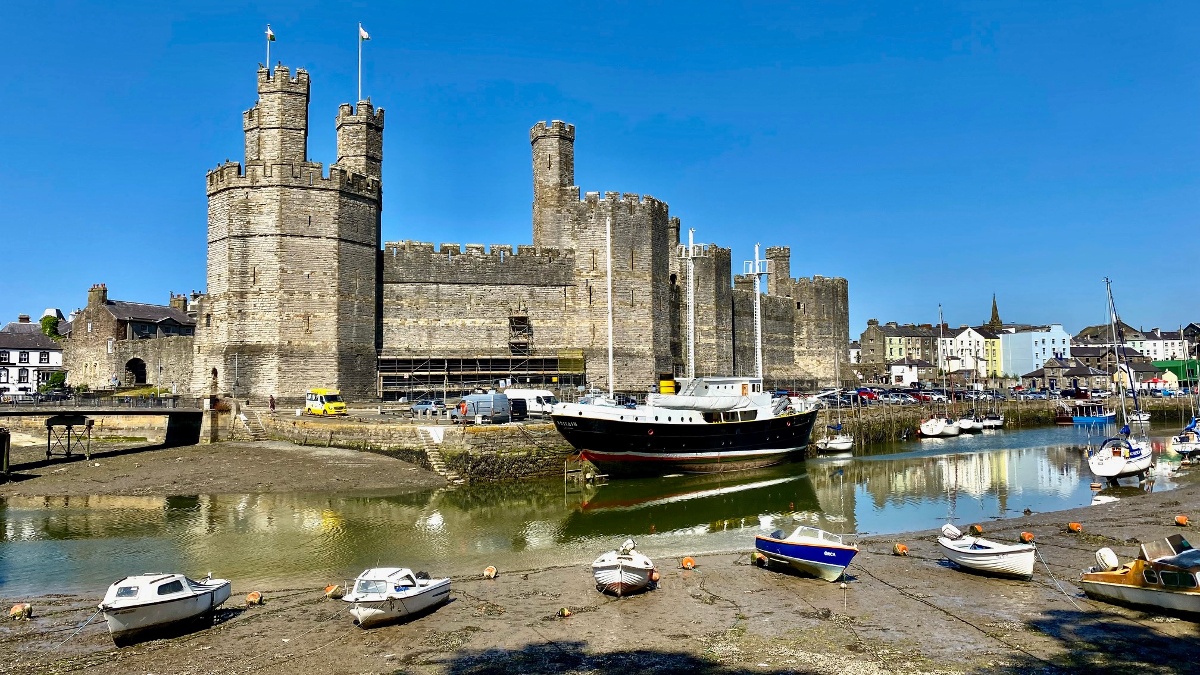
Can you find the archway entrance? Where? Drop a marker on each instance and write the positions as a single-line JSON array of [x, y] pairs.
[[135, 371]]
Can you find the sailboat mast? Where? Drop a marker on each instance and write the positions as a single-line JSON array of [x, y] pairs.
[[691, 307], [1112, 323], [608, 265]]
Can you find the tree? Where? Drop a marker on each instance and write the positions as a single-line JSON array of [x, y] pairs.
[[50, 326], [57, 380]]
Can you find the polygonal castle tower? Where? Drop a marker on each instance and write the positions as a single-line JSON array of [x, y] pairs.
[[292, 254]]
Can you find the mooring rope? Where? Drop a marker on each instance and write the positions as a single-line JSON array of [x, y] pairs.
[[1060, 588], [85, 623]]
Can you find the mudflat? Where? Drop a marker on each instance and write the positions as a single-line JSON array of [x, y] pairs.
[[897, 614], [231, 467]]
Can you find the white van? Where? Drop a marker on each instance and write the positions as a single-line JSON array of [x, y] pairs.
[[538, 401]]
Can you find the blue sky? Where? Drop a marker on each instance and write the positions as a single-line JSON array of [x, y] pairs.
[[928, 152]]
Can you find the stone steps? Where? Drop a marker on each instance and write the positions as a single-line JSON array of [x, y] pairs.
[[435, 459]]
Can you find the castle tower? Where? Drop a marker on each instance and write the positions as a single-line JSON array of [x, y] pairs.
[[293, 254], [554, 194]]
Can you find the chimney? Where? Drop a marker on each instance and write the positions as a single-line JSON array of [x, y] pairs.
[[97, 295], [179, 302], [23, 318]]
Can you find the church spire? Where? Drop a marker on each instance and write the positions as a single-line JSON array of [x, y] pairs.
[[995, 323]]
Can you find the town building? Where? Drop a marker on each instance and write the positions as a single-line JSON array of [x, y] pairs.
[[1138, 375], [963, 352], [28, 357], [908, 372], [1025, 349], [112, 343], [1067, 373], [855, 352], [882, 344], [302, 292]]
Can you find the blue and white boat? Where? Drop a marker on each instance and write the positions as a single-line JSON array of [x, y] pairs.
[[809, 550]]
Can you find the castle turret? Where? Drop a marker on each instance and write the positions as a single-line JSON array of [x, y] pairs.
[[277, 126], [778, 282], [360, 139], [553, 177]]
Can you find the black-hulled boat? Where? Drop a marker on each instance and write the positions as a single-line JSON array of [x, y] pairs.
[[714, 424]]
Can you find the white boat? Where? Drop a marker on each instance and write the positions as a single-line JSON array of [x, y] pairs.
[[1163, 577], [970, 423], [993, 421], [836, 443], [933, 427], [1141, 417], [142, 604], [983, 555], [950, 428], [383, 594], [1119, 457], [1187, 443], [622, 571]]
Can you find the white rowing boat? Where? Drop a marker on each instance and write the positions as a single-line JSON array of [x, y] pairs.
[[983, 555], [623, 571]]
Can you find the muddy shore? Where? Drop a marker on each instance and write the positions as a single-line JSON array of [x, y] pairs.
[[913, 614], [119, 468]]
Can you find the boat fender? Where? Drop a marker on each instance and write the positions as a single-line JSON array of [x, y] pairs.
[[687, 564], [462, 408], [1181, 521], [1106, 560], [950, 531], [489, 572], [1096, 487], [254, 598], [900, 549], [1026, 537], [22, 611], [335, 592], [649, 432], [564, 612], [760, 559], [975, 531], [1074, 527], [654, 575]]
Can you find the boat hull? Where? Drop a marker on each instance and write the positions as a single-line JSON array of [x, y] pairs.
[[824, 561], [996, 559], [375, 612], [1124, 594], [128, 624], [621, 448], [622, 573], [1104, 463], [838, 443], [950, 429]]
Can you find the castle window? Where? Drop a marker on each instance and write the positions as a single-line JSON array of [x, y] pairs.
[[589, 295], [674, 280], [110, 345], [89, 326], [631, 252], [593, 260], [631, 297], [208, 320], [4, 376]]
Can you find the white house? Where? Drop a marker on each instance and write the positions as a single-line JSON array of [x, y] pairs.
[[27, 357], [1161, 345], [855, 352], [1026, 349], [908, 372], [963, 349]]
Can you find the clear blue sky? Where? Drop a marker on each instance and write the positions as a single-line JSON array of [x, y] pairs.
[[928, 152]]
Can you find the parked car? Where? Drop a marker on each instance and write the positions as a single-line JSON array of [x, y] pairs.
[[429, 405]]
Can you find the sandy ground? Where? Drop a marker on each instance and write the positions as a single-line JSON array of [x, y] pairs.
[[911, 614], [233, 467]]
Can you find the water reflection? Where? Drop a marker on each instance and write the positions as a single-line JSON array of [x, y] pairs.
[[61, 544]]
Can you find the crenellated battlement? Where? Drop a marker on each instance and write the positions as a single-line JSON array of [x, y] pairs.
[[230, 175], [364, 114], [556, 129], [278, 79], [449, 263]]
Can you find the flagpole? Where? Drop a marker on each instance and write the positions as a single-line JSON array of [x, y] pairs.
[[268, 46], [359, 64]]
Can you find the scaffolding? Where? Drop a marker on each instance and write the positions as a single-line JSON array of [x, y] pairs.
[[446, 376]]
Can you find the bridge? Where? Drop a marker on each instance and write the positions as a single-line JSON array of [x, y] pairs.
[[183, 423]]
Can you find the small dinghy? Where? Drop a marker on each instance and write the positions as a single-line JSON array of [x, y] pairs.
[[623, 571], [1163, 577], [989, 557], [993, 421], [810, 550], [140, 605], [383, 594]]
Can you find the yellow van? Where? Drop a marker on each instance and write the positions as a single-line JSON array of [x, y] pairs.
[[324, 402]]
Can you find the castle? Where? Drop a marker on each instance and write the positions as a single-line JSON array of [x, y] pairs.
[[302, 294]]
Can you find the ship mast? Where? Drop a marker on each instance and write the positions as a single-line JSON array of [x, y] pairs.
[[757, 267], [608, 265]]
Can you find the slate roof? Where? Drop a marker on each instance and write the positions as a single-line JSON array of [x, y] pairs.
[[21, 327], [137, 311], [910, 362], [907, 331], [987, 333], [23, 339]]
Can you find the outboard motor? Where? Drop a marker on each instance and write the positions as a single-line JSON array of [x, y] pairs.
[[1106, 560], [951, 532]]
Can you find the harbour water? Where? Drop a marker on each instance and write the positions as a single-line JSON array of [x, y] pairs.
[[82, 544]]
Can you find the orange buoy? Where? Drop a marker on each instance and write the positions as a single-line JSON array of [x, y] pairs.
[[1181, 521], [654, 575], [1027, 537], [975, 530], [22, 611], [254, 598], [687, 564], [1075, 527], [1097, 487], [490, 572], [335, 591], [899, 549], [564, 612]]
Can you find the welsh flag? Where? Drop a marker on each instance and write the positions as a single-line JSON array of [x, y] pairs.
[[362, 34], [270, 34]]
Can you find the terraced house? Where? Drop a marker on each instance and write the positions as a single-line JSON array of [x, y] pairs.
[[27, 357]]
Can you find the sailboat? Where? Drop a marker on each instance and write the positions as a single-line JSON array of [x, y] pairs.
[[1187, 442], [712, 425], [1121, 455], [941, 425], [836, 442]]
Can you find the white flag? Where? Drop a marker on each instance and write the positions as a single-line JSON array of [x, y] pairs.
[[270, 34], [362, 34]]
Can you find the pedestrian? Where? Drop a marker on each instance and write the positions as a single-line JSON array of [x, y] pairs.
[[272, 404]]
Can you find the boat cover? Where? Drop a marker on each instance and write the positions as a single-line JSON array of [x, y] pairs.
[[701, 403]]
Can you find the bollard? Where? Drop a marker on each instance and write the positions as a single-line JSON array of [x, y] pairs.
[[5, 442]]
